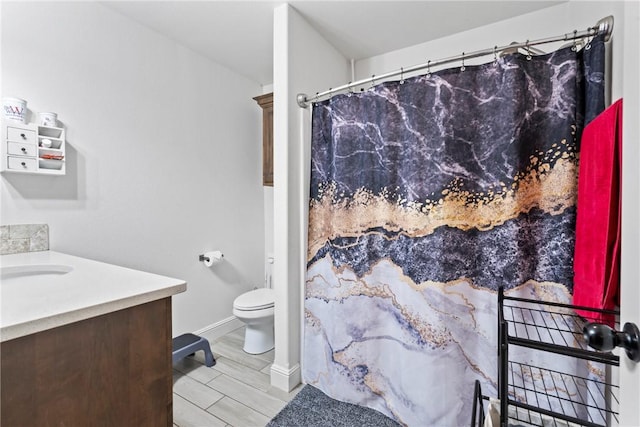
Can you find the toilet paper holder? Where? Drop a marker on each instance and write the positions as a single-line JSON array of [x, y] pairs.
[[211, 257]]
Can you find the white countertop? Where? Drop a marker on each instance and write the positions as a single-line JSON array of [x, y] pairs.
[[92, 288]]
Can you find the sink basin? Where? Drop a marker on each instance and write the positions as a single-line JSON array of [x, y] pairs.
[[33, 270]]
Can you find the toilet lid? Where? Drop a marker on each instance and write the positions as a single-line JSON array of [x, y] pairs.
[[255, 300]]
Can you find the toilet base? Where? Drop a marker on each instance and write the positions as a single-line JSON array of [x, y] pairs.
[[258, 338]]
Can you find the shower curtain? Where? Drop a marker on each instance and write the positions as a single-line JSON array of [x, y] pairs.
[[427, 195]]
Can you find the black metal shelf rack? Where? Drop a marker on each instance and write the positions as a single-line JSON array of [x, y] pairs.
[[541, 395]]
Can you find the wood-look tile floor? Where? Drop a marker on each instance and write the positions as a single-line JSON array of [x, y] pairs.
[[235, 392]]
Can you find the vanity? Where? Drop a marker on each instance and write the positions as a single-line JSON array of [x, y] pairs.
[[84, 343]]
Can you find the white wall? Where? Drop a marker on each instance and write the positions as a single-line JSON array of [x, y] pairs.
[[303, 61], [630, 269], [164, 157]]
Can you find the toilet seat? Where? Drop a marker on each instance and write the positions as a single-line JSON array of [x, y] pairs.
[[258, 299]]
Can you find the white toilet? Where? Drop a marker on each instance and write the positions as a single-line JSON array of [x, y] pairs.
[[255, 309]]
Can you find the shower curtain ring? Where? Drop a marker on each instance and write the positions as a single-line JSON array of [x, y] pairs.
[[575, 44], [463, 67], [495, 54], [350, 90], [428, 68], [528, 49], [317, 93], [401, 76], [372, 80]]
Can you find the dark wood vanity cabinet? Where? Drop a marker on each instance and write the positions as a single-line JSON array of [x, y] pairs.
[[112, 370], [266, 102]]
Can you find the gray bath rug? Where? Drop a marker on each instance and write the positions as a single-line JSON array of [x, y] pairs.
[[312, 408]]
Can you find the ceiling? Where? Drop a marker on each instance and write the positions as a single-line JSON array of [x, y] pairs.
[[239, 34]]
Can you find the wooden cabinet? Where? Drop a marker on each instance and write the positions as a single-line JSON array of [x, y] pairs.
[[266, 102], [29, 148], [112, 370]]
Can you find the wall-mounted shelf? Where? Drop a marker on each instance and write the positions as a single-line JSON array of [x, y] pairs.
[[34, 149]]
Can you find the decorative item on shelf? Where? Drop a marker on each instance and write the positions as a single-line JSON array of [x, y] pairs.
[[15, 109], [48, 119], [52, 156]]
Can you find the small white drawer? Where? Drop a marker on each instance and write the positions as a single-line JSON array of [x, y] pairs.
[[19, 149], [21, 135], [22, 163]]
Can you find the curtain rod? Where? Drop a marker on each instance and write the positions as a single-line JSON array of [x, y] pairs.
[[603, 26]]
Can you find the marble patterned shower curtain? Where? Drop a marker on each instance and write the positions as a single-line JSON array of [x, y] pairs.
[[426, 196]]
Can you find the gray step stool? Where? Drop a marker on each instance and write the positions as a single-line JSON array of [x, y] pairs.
[[187, 344]]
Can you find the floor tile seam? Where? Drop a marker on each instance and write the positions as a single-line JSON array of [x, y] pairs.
[[201, 382], [263, 363], [269, 417], [201, 409], [194, 403], [239, 380], [247, 355], [186, 374], [208, 413], [217, 418], [225, 358], [183, 372], [214, 403], [240, 403], [284, 402], [195, 379], [244, 381], [229, 353], [248, 385]]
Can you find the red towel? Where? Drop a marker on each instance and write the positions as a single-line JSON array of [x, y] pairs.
[[596, 261]]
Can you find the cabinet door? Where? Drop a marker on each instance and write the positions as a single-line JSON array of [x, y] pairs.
[[267, 147], [113, 370], [266, 102]]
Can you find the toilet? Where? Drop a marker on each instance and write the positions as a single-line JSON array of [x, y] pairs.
[[255, 309]]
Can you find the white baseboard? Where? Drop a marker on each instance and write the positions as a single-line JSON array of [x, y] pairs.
[[218, 329], [285, 379]]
